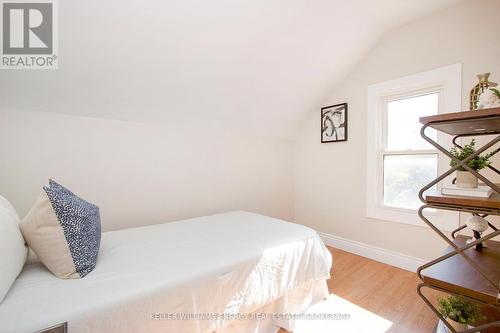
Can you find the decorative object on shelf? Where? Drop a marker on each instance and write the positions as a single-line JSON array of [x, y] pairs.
[[490, 98], [481, 191], [459, 312], [479, 89], [478, 225], [334, 123], [465, 179], [442, 328]]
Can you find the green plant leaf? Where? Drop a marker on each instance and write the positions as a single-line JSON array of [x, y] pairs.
[[460, 309], [477, 163]]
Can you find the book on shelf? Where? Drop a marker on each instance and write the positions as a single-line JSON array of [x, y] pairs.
[[482, 191]]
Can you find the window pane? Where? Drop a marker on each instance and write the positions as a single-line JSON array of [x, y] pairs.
[[403, 127], [404, 176]]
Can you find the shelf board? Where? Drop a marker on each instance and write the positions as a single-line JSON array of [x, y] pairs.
[[456, 275], [491, 203], [466, 122]]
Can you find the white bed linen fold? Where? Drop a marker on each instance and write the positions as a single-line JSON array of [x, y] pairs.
[[229, 263], [296, 301]]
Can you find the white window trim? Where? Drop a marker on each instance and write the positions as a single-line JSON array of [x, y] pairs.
[[448, 81]]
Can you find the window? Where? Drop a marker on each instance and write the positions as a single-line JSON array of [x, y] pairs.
[[399, 161], [409, 162]]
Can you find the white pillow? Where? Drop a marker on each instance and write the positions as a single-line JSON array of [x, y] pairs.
[[12, 247]]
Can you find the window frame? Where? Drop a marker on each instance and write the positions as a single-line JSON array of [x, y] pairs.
[[446, 81], [385, 129]]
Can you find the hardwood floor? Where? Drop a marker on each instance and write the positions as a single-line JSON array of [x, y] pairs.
[[381, 289]]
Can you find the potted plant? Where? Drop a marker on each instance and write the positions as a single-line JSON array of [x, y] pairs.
[[466, 179], [459, 312]]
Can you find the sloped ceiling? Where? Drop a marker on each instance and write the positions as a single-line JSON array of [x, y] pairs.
[[254, 61]]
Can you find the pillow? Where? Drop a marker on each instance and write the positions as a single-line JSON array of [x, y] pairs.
[[32, 258], [64, 231], [12, 247]]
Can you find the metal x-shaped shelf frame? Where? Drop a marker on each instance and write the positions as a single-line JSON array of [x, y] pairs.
[[474, 210], [433, 308]]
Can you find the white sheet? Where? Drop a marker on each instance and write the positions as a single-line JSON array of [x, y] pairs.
[[222, 264]]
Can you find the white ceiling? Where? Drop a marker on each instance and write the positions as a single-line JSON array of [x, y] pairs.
[[244, 60]]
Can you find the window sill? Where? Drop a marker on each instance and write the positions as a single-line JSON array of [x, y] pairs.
[[445, 221]]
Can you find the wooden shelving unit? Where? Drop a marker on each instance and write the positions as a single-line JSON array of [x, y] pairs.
[[490, 203], [465, 123], [462, 270], [457, 275]]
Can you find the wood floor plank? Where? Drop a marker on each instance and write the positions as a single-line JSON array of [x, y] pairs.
[[384, 290]]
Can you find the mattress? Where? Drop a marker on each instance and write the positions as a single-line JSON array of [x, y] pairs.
[[193, 275]]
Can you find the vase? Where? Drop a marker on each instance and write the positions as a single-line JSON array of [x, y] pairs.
[[442, 328], [465, 179], [479, 89]]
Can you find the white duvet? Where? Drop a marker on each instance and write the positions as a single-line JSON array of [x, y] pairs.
[[148, 278]]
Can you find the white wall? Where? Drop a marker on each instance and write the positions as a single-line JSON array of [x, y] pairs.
[[150, 173], [261, 62], [143, 173], [330, 178]]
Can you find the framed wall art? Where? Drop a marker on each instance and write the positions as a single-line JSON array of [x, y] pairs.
[[334, 123]]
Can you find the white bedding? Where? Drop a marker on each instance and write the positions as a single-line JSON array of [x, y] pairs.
[[228, 263]]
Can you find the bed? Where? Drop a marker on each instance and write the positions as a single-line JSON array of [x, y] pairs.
[[221, 273]]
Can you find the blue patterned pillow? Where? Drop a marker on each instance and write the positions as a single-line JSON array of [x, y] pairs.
[[64, 231]]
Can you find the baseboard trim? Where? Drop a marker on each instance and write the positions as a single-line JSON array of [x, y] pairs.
[[385, 256]]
